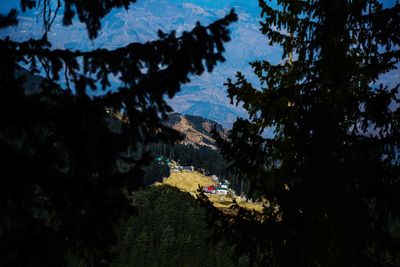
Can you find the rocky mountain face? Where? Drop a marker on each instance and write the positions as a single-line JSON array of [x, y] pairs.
[[196, 130]]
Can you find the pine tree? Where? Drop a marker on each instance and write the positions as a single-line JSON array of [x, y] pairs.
[[332, 165], [67, 162], [167, 246], [142, 254]]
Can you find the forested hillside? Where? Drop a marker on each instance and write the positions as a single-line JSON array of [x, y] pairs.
[[170, 229]]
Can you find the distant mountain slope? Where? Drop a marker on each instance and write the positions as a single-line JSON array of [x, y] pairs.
[[196, 130], [204, 95]]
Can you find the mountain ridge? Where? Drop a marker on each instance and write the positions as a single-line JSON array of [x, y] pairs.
[[196, 130], [205, 95]]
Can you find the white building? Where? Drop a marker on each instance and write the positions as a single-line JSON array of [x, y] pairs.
[[222, 189]]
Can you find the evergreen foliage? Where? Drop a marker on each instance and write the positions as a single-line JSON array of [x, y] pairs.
[[170, 230], [333, 164], [66, 172], [154, 172], [200, 157]]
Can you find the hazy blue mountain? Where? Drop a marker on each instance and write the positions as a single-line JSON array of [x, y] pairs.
[[205, 95]]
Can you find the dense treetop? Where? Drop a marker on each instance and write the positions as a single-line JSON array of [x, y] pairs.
[[332, 165]]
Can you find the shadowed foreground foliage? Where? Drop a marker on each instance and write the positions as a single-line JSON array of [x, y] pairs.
[[333, 164], [66, 169]]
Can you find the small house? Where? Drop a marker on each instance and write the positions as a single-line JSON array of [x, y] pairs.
[[222, 191], [187, 168], [209, 189]]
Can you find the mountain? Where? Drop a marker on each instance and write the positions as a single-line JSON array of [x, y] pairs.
[[196, 130], [204, 96]]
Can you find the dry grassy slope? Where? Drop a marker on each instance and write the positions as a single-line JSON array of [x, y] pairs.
[[190, 182], [192, 136], [196, 130]]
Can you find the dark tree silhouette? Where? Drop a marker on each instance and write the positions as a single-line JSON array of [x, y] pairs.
[[68, 166], [332, 166]]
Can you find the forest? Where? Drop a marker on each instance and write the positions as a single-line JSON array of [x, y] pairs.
[[76, 187], [179, 237]]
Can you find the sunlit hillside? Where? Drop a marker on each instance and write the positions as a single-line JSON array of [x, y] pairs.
[[192, 181]]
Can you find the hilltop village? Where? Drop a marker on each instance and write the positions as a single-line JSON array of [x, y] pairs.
[[218, 190], [216, 186]]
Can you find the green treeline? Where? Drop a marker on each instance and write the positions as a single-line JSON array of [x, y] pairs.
[[202, 158], [170, 230], [154, 172]]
